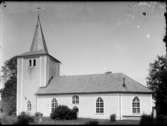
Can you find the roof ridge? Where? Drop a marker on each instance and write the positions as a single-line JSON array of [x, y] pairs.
[[95, 74]]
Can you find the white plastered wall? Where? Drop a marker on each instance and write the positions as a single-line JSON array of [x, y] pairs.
[[29, 79], [119, 104]]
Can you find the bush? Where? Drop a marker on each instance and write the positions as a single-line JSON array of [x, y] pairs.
[[113, 117], [38, 114], [63, 112], [6, 119], [92, 122], [147, 120], [24, 119], [161, 120], [38, 117]]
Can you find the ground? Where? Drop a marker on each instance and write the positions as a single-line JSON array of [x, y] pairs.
[[46, 120], [84, 121]]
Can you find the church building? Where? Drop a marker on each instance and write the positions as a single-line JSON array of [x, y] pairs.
[[41, 88]]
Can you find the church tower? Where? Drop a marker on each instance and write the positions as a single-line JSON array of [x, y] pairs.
[[35, 68]]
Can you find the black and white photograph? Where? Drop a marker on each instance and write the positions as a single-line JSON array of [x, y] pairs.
[[83, 62]]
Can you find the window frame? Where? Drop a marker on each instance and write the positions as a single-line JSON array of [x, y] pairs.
[[29, 106], [136, 105], [54, 104], [99, 106], [75, 99], [30, 63], [34, 62]]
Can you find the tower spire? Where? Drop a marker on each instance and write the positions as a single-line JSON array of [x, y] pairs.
[[38, 42]]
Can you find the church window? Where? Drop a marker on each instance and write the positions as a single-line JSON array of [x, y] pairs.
[[30, 62], [75, 99], [29, 106], [136, 105], [53, 105], [99, 105], [34, 62]]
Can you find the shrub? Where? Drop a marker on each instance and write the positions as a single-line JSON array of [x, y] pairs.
[[92, 122], [24, 119], [149, 120], [6, 119], [63, 112], [38, 117], [161, 120], [38, 114], [113, 117], [146, 120]]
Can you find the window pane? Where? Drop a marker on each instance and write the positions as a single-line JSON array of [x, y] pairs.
[[29, 62], [34, 62], [101, 110], [97, 110], [134, 110], [138, 110]]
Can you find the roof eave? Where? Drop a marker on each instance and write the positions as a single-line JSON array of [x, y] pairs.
[[107, 92], [30, 55]]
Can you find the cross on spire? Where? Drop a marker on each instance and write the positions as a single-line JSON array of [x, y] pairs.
[[38, 42]]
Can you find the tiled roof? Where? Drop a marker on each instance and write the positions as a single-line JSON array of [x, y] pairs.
[[96, 83]]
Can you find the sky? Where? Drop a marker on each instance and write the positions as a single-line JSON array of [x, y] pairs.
[[88, 37]]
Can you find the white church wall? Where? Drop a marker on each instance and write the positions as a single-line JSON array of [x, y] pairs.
[[87, 104], [30, 83], [29, 79], [19, 84], [126, 105]]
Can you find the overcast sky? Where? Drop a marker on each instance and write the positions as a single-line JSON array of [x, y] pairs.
[[89, 37]]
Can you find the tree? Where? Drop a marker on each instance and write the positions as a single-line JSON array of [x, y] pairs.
[[165, 37], [157, 81], [9, 92]]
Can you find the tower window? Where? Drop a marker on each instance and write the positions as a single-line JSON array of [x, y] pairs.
[[30, 63], [34, 62]]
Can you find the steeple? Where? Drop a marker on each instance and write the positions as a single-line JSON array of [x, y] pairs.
[[38, 42]]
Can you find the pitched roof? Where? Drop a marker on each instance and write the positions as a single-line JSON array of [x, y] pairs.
[[36, 53], [38, 46], [96, 83], [38, 42]]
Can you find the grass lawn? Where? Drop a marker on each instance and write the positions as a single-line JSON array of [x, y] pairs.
[[5, 119], [82, 121]]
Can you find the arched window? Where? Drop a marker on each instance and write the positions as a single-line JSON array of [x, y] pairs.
[[99, 105], [75, 99], [34, 62], [28, 106], [136, 105], [53, 104]]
